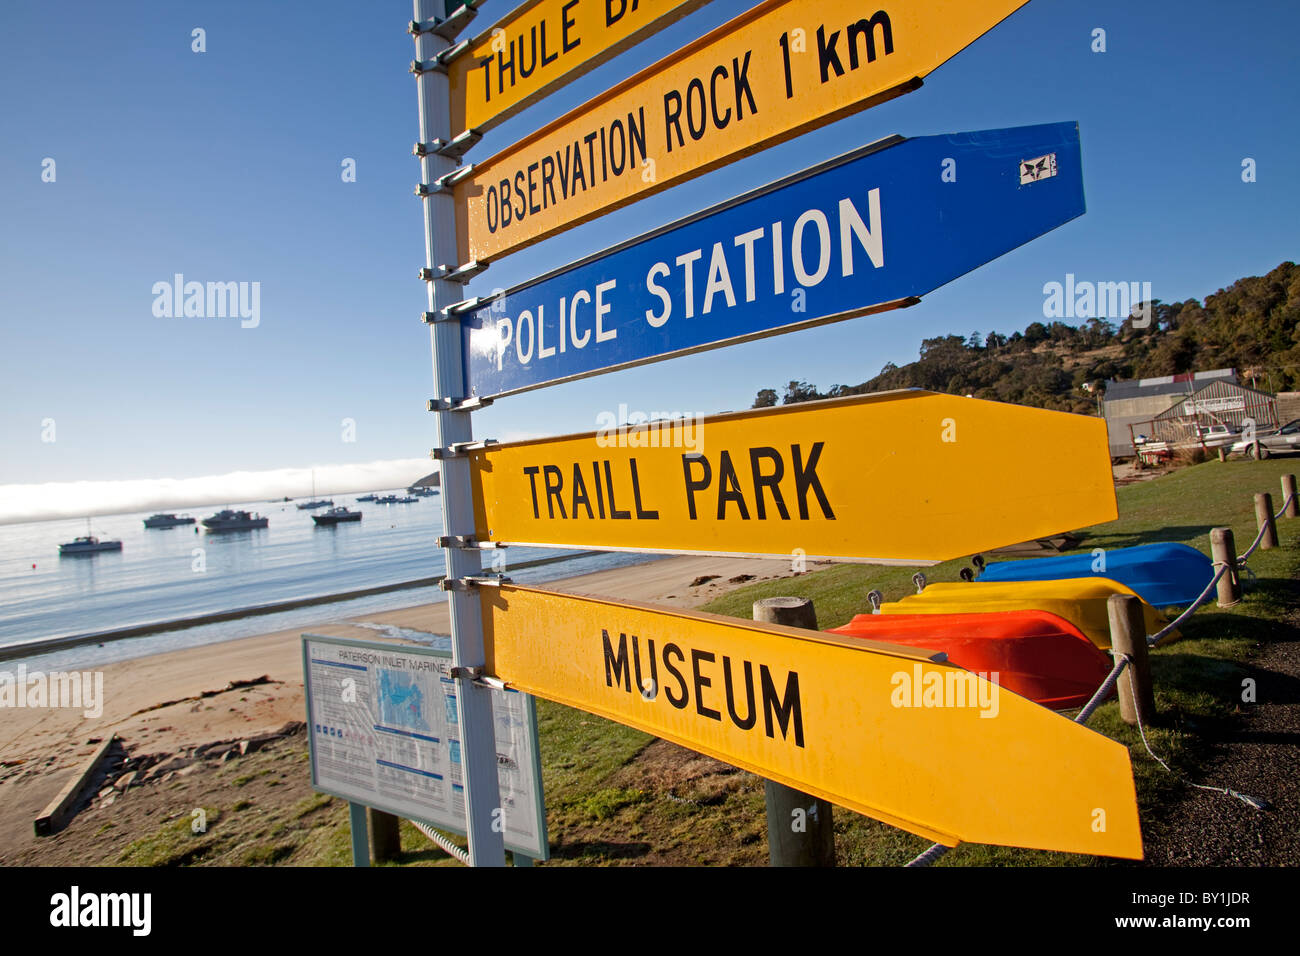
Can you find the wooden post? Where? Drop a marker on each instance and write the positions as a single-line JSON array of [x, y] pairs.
[[1223, 550], [1264, 521], [1292, 507], [1128, 635], [800, 831], [1223, 453], [385, 840]]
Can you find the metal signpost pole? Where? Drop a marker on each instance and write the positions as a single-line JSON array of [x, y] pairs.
[[474, 703]]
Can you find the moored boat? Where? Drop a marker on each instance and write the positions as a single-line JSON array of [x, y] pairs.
[[315, 502], [1035, 654], [1081, 601], [1164, 575], [230, 520], [167, 520], [88, 544], [335, 516]]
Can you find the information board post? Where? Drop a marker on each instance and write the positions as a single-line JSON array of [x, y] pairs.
[[360, 838], [478, 748]]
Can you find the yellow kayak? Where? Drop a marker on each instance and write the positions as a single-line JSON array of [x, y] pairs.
[[1081, 601]]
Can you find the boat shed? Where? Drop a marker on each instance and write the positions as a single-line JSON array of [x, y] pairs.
[[1136, 402], [1219, 403]]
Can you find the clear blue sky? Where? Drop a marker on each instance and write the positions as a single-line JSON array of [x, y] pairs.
[[226, 166]]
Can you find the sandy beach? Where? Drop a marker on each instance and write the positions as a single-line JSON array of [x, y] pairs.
[[177, 700]]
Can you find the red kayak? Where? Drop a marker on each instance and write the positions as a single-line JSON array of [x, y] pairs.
[[1036, 654]]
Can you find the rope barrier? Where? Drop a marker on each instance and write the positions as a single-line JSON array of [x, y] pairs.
[[1205, 596], [1241, 560], [442, 841], [933, 853], [1121, 661], [1256, 802], [929, 856]]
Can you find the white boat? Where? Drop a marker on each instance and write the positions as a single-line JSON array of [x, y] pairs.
[[88, 544], [315, 502]]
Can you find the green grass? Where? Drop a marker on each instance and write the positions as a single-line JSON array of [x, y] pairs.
[[174, 843], [604, 807], [1197, 680], [1182, 506]]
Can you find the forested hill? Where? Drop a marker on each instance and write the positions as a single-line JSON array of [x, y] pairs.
[[1252, 326]]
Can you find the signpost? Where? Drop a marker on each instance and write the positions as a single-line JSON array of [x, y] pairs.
[[906, 477], [887, 731], [898, 478], [385, 733], [452, 425], [541, 46], [866, 232], [780, 69]]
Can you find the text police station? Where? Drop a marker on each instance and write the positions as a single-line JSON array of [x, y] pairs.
[[797, 253]]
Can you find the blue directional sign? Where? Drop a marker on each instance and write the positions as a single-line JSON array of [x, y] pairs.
[[869, 231]]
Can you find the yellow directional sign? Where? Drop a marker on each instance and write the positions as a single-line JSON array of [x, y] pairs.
[[906, 477], [542, 45], [781, 69], [876, 728]]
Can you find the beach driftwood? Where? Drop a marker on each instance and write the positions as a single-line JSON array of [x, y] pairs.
[[61, 806]]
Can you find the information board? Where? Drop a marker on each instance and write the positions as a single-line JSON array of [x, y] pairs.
[[382, 722]]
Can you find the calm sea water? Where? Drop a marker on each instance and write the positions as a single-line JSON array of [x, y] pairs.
[[168, 574]]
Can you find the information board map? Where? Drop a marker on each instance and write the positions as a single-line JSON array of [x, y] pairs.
[[383, 731]]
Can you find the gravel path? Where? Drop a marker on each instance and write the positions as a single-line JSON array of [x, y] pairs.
[[1259, 757]]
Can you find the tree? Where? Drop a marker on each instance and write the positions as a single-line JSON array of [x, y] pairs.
[[796, 392], [766, 398], [1253, 323]]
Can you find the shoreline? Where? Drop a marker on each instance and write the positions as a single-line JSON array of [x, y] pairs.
[[166, 702], [47, 645]]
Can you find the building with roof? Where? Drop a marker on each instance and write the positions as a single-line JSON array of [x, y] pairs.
[[1139, 401], [1218, 403]]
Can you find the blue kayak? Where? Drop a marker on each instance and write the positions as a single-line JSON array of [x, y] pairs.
[[1164, 575]]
